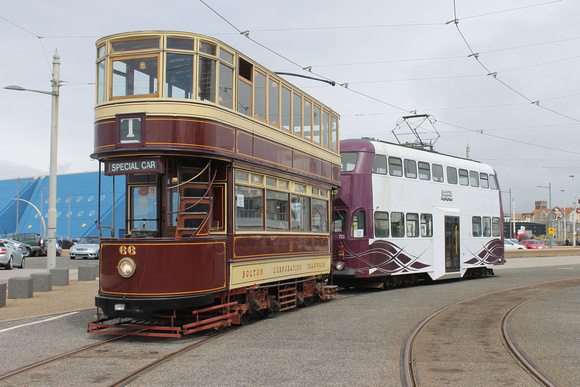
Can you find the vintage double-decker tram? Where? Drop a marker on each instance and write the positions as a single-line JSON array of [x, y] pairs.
[[403, 214], [229, 170]]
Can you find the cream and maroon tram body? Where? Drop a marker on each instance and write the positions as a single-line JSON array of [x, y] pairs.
[[228, 170], [404, 214]]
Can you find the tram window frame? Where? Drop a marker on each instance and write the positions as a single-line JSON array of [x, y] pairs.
[[410, 169], [277, 210], [319, 215], [380, 165], [249, 205], [495, 227], [476, 226], [179, 77], [397, 224], [260, 85], [144, 63], [486, 223], [358, 219], [339, 221], [412, 225], [300, 210], [474, 179], [426, 225], [348, 165], [424, 170], [437, 172], [382, 224], [395, 166], [452, 175], [484, 180], [285, 108], [463, 177]]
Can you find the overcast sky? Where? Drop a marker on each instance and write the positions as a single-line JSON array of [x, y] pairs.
[[397, 57]]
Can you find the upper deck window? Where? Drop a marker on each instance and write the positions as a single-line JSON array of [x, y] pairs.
[[179, 76], [135, 45], [226, 56], [135, 76], [424, 171], [286, 108], [348, 161], [334, 133], [245, 69], [226, 86], [395, 166], [484, 180], [207, 48], [260, 95], [325, 126], [492, 182], [473, 178], [180, 44], [273, 102], [206, 79], [297, 114], [463, 177], [452, 175], [316, 125], [411, 169], [307, 120], [380, 164], [437, 173]]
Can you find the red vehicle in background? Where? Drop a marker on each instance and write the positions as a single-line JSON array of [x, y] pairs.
[[533, 244]]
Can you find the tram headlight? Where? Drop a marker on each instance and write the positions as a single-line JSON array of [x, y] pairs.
[[339, 265], [126, 267]]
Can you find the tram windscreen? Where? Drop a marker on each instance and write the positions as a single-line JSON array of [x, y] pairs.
[[348, 161], [339, 220]]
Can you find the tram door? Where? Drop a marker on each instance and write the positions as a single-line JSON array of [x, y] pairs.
[[452, 245]]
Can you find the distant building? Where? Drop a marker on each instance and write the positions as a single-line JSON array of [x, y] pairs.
[[77, 205]]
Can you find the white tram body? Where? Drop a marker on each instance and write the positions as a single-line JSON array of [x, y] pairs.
[[404, 211]]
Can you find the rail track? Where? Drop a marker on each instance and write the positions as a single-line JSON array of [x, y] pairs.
[[509, 300]]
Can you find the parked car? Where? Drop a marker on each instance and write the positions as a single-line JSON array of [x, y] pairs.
[[533, 244], [24, 249], [87, 247], [512, 244], [32, 240], [10, 256]]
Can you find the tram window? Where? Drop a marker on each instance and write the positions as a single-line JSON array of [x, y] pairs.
[[495, 227], [476, 226], [484, 180], [381, 224], [256, 179], [226, 86], [249, 208], [492, 182], [397, 224], [101, 51], [135, 45], [358, 225], [286, 108], [426, 225], [437, 173], [463, 177], [451, 175], [206, 79], [486, 226], [325, 123], [319, 215], [260, 95], [226, 56], [348, 161], [135, 77], [277, 210], [270, 181], [411, 169], [412, 225], [243, 176], [338, 220], [315, 191], [180, 44], [334, 133], [380, 164], [307, 127], [273, 102], [395, 166], [173, 207], [316, 124], [473, 179], [179, 76], [244, 97], [143, 208], [300, 208], [207, 48], [297, 114], [282, 184], [299, 187], [101, 79], [424, 171]]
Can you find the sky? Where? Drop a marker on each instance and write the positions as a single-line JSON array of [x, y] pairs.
[[498, 77]]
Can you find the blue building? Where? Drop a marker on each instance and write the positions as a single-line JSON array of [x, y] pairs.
[[22, 201]]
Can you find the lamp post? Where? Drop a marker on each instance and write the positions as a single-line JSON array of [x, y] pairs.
[[55, 81], [549, 187], [574, 204]]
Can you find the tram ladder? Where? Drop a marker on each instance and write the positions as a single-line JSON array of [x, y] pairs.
[[287, 296]]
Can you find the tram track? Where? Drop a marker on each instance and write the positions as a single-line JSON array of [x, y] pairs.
[[508, 299]]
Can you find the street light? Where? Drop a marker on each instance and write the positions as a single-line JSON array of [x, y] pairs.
[[55, 81], [574, 204], [549, 187]]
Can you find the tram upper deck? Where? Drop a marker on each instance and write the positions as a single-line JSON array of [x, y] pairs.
[[164, 92]]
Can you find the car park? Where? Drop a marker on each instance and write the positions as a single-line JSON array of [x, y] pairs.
[[10, 256], [533, 244], [512, 244], [87, 247]]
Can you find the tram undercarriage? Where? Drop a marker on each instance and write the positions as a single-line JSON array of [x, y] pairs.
[[234, 307]]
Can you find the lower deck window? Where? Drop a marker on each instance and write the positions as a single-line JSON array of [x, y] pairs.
[[381, 224], [412, 225], [357, 228], [300, 213], [319, 215], [476, 226], [249, 208], [277, 210], [397, 224], [426, 225], [143, 208]]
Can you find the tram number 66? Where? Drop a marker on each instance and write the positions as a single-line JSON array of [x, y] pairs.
[[124, 250]]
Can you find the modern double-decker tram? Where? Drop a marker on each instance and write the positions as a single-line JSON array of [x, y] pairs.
[[228, 170]]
